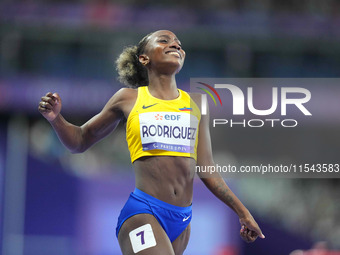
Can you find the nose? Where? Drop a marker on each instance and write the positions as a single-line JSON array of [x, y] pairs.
[[175, 45]]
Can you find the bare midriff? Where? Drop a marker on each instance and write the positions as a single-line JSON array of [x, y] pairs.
[[166, 178]]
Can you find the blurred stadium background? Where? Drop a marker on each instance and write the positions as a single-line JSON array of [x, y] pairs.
[[53, 202]]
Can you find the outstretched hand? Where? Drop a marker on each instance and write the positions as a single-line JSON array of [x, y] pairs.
[[250, 230], [50, 106]]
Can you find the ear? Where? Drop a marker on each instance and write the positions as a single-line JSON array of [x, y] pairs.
[[143, 59]]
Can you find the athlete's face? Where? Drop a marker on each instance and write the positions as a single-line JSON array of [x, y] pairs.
[[163, 51]]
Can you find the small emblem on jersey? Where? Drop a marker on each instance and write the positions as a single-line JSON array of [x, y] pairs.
[[167, 116], [159, 117], [185, 109], [148, 106], [186, 218]]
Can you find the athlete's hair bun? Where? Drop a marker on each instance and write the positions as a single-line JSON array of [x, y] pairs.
[[131, 72]]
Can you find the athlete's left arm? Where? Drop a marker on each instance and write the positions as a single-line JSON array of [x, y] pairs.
[[216, 184]]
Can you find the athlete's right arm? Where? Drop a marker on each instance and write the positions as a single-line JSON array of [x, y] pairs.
[[80, 138]]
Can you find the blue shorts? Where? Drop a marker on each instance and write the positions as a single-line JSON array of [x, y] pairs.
[[173, 219]]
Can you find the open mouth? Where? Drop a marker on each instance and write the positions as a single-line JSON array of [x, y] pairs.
[[174, 53]]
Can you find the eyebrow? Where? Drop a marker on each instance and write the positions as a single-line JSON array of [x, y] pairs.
[[176, 39]]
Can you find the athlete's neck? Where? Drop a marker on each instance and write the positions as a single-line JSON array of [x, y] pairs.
[[163, 86]]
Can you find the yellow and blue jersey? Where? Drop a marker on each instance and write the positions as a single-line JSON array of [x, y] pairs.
[[157, 127]]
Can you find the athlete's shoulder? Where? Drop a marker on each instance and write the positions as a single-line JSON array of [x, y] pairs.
[[126, 92], [123, 96]]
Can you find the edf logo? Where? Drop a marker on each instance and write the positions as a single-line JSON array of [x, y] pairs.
[[168, 117], [172, 117]]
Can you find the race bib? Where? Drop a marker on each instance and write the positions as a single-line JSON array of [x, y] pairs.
[[168, 131]]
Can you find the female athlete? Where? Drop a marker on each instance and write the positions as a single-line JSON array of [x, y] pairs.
[[167, 137]]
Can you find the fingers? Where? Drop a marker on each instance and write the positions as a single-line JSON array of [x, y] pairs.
[[248, 235], [43, 106], [48, 102], [56, 97], [253, 226], [258, 231]]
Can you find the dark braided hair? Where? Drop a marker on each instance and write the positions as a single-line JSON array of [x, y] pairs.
[[131, 72]]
